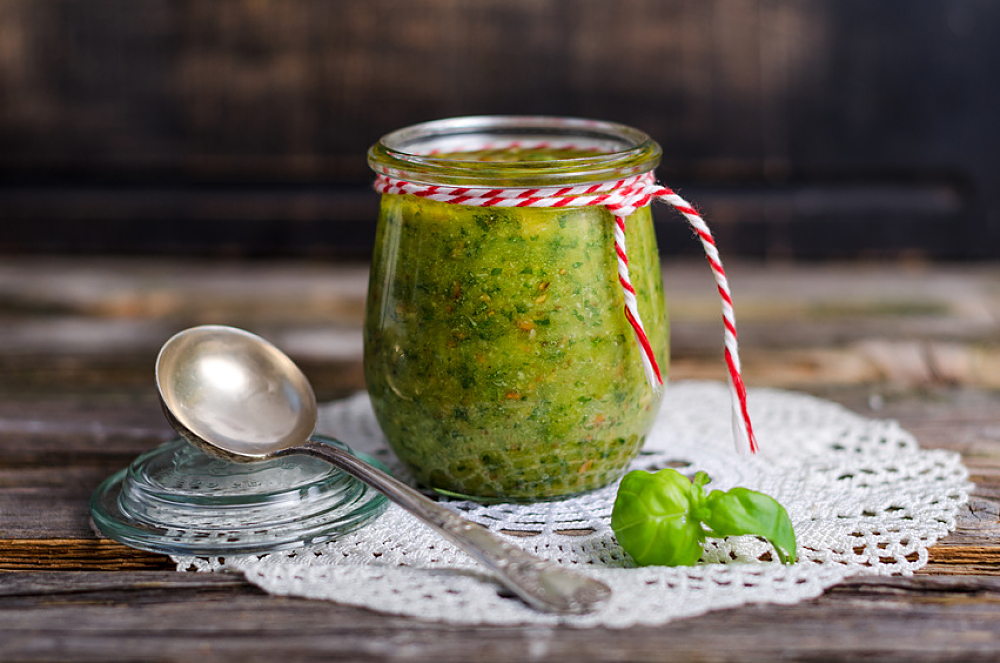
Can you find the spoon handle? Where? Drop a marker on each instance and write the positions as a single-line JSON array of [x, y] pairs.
[[539, 583]]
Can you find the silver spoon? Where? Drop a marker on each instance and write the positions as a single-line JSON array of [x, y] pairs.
[[235, 395]]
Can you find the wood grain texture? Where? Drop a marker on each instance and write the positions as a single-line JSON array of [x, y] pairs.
[[826, 128], [84, 554], [77, 342], [168, 616]]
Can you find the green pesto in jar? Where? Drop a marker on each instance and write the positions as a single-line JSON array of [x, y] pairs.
[[498, 357]]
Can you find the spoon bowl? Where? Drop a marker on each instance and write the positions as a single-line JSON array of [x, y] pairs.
[[234, 388], [235, 395]]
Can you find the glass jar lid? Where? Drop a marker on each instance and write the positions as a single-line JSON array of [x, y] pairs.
[[177, 500]]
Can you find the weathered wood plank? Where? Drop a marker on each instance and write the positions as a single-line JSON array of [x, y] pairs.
[[778, 110], [81, 404], [67, 595], [44, 583], [168, 616], [299, 89], [883, 325], [84, 554], [948, 558], [41, 500]]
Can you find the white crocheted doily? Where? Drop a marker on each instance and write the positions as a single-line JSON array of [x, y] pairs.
[[863, 497]]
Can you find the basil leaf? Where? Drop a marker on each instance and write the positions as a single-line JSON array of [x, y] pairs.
[[652, 521], [742, 511]]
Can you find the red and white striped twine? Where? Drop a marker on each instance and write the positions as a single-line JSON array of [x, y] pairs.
[[622, 198]]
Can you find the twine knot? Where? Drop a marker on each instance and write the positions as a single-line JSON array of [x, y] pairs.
[[622, 198]]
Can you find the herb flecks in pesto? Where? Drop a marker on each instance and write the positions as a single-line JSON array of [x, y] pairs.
[[498, 359]]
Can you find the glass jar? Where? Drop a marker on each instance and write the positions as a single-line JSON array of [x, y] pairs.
[[499, 360]]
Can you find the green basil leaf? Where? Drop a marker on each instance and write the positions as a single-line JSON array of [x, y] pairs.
[[742, 511], [652, 521]]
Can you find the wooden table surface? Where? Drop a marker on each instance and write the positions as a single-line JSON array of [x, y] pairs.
[[78, 337]]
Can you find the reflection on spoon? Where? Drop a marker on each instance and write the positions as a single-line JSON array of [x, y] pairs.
[[235, 395]]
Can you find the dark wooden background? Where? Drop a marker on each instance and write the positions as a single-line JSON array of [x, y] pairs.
[[803, 128]]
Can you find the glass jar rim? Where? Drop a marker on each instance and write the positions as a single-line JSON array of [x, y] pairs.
[[414, 153]]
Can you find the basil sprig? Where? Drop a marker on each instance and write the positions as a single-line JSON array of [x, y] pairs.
[[663, 518]]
